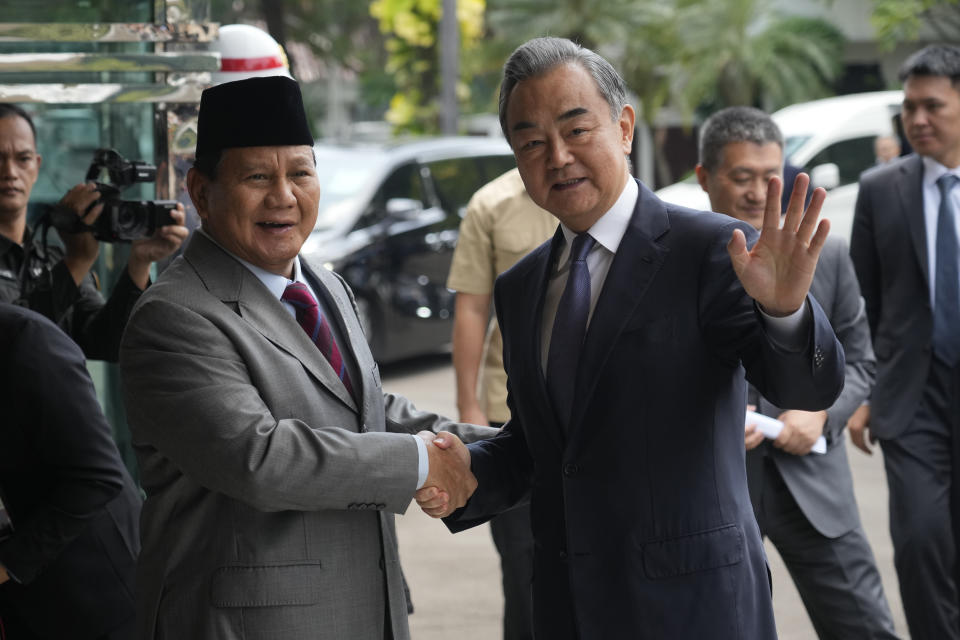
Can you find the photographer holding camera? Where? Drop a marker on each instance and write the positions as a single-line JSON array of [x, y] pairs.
[[57, 282]]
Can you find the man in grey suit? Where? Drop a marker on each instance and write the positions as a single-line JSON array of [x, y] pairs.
[[271, 458], [804, 502], [904, 248]]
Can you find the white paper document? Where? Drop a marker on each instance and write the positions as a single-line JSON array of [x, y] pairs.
[[771, 427]]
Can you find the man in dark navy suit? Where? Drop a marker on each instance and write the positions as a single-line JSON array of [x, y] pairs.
[[67, 565], [626, 340], [904, 241]]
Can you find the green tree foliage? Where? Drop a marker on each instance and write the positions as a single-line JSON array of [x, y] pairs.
[[899, 21], [636, 35], [335, 30], [741, 52], [590, 23], [342, 34], [687, 52], [412, 30]]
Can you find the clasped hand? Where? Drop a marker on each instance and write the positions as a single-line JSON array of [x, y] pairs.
[[778, 270], [800, 432], [801, 429], [450, 483]]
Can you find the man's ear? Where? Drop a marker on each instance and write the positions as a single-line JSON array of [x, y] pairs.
[[702, 177], [627, 121], [197, 186]]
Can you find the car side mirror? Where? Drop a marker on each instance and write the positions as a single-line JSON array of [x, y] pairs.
[[825, 175], [403, 208]]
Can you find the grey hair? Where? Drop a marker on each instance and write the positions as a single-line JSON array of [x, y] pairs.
[[735, 124], [538, 56], [935, 60]]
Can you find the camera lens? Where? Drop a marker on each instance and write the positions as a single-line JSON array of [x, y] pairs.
[[131, 220]]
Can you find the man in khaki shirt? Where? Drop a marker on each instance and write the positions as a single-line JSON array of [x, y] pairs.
[[502, 224]]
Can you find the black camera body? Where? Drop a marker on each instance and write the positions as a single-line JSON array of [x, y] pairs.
[[121, 220]]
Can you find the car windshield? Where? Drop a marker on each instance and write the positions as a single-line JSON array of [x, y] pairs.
[[791, 144], [344, 178]]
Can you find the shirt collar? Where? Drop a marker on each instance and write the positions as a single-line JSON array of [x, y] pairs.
[[6, 244], [609, 229], [933, 170], [275, 283]]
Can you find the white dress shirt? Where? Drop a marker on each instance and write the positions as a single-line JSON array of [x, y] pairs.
[[932, 171], [608, 231]]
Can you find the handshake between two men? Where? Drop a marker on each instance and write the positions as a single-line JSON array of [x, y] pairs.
[[450, 483]]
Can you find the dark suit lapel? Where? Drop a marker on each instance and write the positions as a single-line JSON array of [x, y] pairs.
[[910, 190], [636, 263], [235, 285], [534, 287]]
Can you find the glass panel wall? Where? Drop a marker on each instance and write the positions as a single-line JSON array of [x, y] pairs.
[[67, 136]]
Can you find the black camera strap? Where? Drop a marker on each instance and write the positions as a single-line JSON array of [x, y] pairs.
[[37, 253]]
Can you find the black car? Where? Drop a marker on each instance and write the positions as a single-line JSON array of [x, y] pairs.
[[388, 223]]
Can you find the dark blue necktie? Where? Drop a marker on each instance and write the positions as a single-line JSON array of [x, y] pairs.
[[569, 327], [946, 299]]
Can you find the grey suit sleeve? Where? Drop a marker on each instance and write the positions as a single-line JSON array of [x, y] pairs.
[[403, 417], [189, 395], [849, 320]]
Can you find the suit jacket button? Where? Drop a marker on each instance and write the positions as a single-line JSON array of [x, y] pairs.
[[570, 469], [563, 556], [818, 356]]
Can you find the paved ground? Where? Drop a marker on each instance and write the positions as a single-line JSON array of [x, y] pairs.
[[455, 579]]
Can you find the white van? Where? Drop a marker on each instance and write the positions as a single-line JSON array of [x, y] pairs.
[[832, 140]]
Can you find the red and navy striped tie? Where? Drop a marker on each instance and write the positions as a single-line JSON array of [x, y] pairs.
[[314, 322]]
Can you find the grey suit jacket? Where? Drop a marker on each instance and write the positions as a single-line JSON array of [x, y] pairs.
[[822, 484], [270, 491], [889, 250]]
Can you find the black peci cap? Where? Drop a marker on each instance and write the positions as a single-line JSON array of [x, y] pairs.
[[256, 112]]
